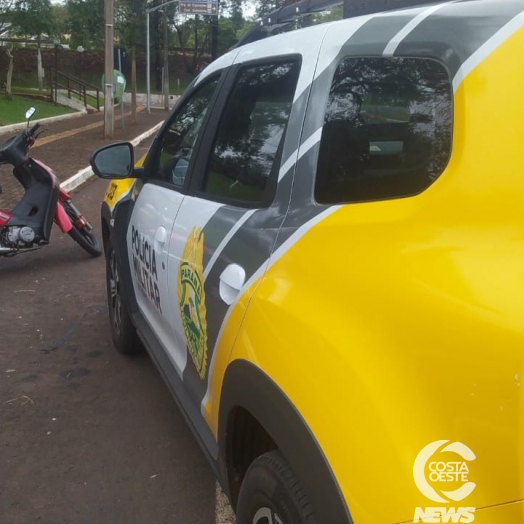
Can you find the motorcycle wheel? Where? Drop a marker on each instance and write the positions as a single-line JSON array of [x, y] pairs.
[[85, 237]]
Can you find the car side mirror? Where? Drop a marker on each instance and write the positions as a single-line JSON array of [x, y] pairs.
[[113, 161]]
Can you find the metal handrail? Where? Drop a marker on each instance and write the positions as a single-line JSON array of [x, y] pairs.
[[79, 86]]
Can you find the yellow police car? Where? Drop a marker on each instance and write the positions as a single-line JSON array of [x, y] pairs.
[[323, 252]]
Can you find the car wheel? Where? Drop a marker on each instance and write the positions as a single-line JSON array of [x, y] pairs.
[[125, 337], [271, 494]]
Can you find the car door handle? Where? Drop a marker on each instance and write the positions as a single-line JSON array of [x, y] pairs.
[[231, 282], [160, 238]]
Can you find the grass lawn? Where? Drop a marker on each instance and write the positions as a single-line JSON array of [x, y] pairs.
[[13, 111]]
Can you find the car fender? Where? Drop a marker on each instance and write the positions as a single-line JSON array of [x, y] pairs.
[[249, 387]]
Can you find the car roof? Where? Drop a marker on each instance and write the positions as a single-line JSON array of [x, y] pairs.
[[453, 32], [284, 19]]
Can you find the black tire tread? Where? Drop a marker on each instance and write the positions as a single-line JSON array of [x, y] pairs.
[[93, 249], [274, 463], [128, 343]]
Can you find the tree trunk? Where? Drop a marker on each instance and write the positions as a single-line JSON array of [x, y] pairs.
[[40, 71], [165, 87], [201, 51], [195, 49], [8, 93], [180, 34], [133, 85], [214, 37]]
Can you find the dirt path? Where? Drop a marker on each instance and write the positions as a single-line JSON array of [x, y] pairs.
[[87, 435]]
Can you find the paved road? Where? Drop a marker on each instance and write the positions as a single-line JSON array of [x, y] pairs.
[[87, 436]]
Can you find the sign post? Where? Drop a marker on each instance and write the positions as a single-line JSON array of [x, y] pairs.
[[108, 87], [148, 68]]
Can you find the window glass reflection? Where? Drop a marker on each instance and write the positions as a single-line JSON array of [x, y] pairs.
[[247, 145], [180, 138], [387, 129]]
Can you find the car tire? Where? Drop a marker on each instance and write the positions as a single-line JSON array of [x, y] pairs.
[[125, 337], [271, 494]]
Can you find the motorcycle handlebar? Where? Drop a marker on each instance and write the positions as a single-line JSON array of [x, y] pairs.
[[34, 129], [14, 151]]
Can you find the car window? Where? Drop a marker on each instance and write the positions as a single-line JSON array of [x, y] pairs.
[[387, 129], [177, 146], [246, 149]]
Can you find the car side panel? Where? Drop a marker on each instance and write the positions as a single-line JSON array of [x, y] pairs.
[[390, 325], [261, 226]]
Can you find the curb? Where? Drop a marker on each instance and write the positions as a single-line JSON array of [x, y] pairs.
[[85, 174], [22, 125]]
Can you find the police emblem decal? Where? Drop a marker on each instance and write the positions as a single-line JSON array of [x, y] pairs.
[[191, 298]]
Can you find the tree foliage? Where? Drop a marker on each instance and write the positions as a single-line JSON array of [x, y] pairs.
[[264, 7], [5, 11], [33, 18], [86, 23], [130, 18], [61, 20], [193, 34], [83, 23]]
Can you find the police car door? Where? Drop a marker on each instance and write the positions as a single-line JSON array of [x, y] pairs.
[[157, 205], [238, 197]]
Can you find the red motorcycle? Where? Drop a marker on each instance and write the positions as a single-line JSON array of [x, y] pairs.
[[28, 225]]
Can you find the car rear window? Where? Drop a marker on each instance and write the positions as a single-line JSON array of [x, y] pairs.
[[387, 129]]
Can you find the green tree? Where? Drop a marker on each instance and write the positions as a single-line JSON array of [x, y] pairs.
[[232, 10], [86, 23], [193, 36], [61, 22], [33, 18], [130, 22], [227, 34], [5, 23], [131, 28], [230, 32], [5, 12], [264, 7], [9, 51], [247, 26]]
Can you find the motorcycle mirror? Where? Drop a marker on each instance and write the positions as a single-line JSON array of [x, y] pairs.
[[29, 113]]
